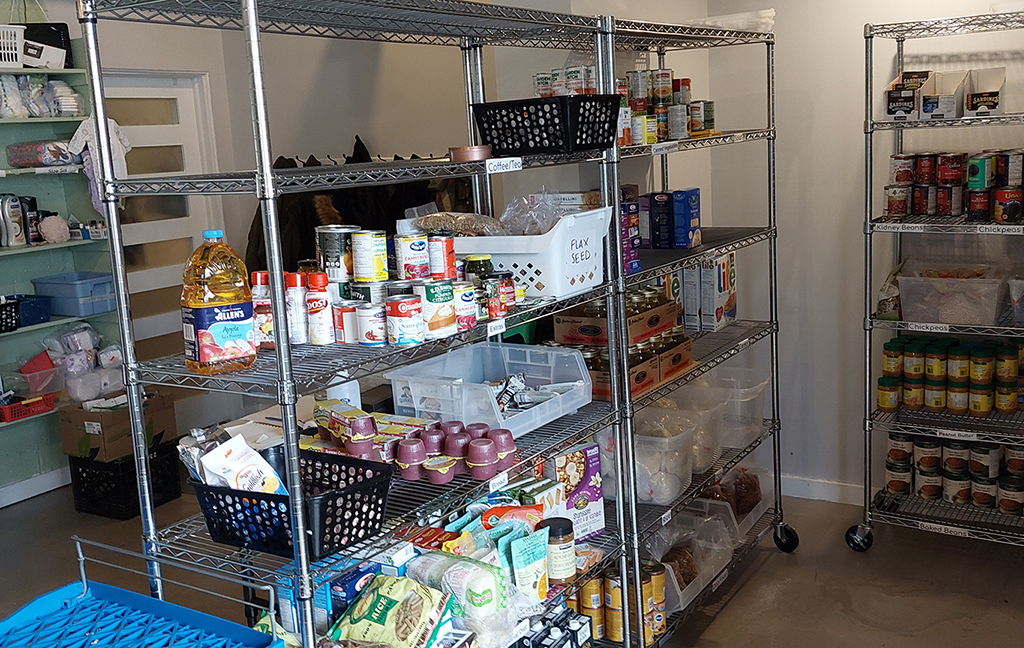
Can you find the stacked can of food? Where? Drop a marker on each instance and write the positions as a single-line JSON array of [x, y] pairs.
[[591, 602], [613, 604], [661, 108], [994, 180]]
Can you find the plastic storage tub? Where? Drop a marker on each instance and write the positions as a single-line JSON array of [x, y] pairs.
[[950, 300], [33, 383], [78, 294], [664, 454], [1017, 300], [705, 405], [567, 260], [744, 412], [32, 309], [452, 386], [108, 488]]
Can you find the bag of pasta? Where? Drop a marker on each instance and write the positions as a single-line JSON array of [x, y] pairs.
[[393, 610]]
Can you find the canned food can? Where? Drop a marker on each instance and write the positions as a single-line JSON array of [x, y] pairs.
[[508, 289], [369, 255], [923, 200], [985, 459], [572, 604], [346, 330], [662, 87], [928, 485], [592, 593], [412, 259], [900, 449], [661, 118], [1014, 460], [542, 84], [405, 320], [702, 115], [678, 122], [371, 292], [649, 629], [980, 174], [925, 171], [460, 269], [949, 200], [1010, 494], [465, 305], [1006, 205], [956, 457], [647, 584], [438, 301], [956, 488], [596, 615], [334, 251], [897, 200], [984, 491], [442, 257], [979, 205], [495, 304], [403, 287], [612, 589], [650, 129], [1009, 168], [636, 129], [307, 266], [613, 624], [898, 478], [950, 169], [681, 92], [901, 169], [371, 325]]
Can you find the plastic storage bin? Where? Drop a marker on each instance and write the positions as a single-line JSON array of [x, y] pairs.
[[12, 45], [109, 488], [705, 405], [32, 309], [78, 294], [548, 124], [567, 260], [744, 412], [663, 453], [452, 386], [1017, 300], [345, 502], [33, 383], [950, 300]]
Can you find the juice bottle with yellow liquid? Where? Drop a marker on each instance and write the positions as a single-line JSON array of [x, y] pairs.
[[216, 309]]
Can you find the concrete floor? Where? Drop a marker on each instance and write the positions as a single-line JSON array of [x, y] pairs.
[[912, 589]]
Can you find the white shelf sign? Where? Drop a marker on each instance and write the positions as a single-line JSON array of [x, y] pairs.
[[721, 579], [1001, 229], [956, 434], [504, 165], [900, 227], [943, 529], [666, 517], [928, 328], [495, 326], [664, 147], [499, 482], [55, 170]]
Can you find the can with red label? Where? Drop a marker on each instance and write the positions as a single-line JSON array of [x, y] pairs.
[[442, 257], [495, 304], [923, 200], [465, 305], [901, 169], [344, 315], [662, 87], [412, 260], [1006, 205], [507, 288], [950, 169], [897, 200], [925, 168], [949, 200], [405, 320], [979, 205]]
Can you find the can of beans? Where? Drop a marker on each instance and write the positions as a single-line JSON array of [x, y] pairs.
[[344, 314], [949, 200], [956, 456], [333, 251], [405, 320], [1009, 168], [928, 485], [369, 255], [465, 305], [980, 173], [412, 260], [985, 459], [371, 292], [956, 488], [1014, 459], [1010, 494], [442, 256], [950, 169], [979, 208], [925, 171], [900, 449], [901, 169], [897, 200], [983, 491], [438, 300], [371, 325], [1006, 205], [898, 478], [923, 200], [495, 304]]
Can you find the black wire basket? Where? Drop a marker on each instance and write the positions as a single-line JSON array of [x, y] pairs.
[[548, 125], [9, 316]]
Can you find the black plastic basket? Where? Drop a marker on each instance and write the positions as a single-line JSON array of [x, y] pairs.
[[108, 488], [9, 316], [548, 124], [345, 503], [33, 309]]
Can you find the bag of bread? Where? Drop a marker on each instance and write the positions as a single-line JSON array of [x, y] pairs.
[[393, 610]]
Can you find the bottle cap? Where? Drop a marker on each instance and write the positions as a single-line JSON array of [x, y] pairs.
[[294, 280], [207, 234], [260, 278], [555, 632], [317, 279]]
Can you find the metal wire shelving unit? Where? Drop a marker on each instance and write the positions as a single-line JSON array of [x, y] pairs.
[[294, 371], [882, 507]]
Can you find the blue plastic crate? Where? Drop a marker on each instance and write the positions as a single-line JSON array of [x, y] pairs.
[[78, 294], [109, 617], [32, 309]]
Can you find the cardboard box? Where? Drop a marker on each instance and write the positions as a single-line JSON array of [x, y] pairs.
[[903, 97], [662, 228], [983, 93], [642, 379], [578, 469], [718, 292], [672, 284], [686, 218], [106, 436], [675, 361], [644, 221], [573, 327], [942, 97], [691, 298]]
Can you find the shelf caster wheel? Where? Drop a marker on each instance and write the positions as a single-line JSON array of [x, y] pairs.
[[856, 541], [786, 539]]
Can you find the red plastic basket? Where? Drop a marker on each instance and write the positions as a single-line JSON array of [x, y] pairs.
[[26, 408]]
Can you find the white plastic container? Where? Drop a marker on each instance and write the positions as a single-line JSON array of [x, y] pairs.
[[452, 386], [744, 412], [945, 300], [705, 405], [663, 454], [12, 44]]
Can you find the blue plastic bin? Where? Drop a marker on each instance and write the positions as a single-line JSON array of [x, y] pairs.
[[78, 294], [32, 309]]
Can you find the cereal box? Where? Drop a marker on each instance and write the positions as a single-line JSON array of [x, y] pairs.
[[579, 470], [718, 292]]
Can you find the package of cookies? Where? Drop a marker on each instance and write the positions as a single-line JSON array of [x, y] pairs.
[[393, 610]]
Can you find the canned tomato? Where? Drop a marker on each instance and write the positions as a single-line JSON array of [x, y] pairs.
[[901, 169], [412, 260], [442, 257], [369, 255], [1010, 494], [1009, 168], [371, 325], [928, 485], [983, 491], [371, 292], [1006, 205], [956, 488], [956, 456], [495, 303], [922, 202], [1014, 459], [334, 251], [507, 288], [900, 449], [898, 478], [592, 594], [596, 620], [949, 201], [405, 320], [925, 168], [979, 205], [950, 169], [395, 288], [927, 454], [985, 459], [980, 173], [438, 300], [346, 330], [897, 200], [465, 305]]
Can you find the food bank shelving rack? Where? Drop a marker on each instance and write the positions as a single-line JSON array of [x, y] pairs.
[[910, 511], [291, 372]]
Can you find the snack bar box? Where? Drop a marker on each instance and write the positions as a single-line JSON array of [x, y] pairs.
[[903, 97]]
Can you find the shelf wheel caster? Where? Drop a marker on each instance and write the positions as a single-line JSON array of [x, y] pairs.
[[856, 541], [786, 539]]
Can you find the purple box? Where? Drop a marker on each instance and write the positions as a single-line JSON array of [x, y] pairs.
[[578, 469]]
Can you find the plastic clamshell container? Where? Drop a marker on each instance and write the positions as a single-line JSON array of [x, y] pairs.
[[568, 259], [744, 411], [78, 294], [34, 383], [949, 300], [664, 453], [452, 386]]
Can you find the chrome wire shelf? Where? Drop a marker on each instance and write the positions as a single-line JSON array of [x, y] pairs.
[[715, 242], [727, 137], [320, 367], [996, 428], [994, 120], [941, 225], [651, 517], [631, 34], [409, 504], [947, 26], [709, 351], [1004, 327], [938, 516]]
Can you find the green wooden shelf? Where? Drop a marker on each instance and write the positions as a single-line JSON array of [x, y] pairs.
[[29, 418], [28, 70], [46, 247], [43, 120]]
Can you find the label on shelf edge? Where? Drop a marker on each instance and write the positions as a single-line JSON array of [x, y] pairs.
[[943, 529], [56, 170], [504, 165], [499, 482], [743, 344], [666, 517], [715, 584], [664, 147], [900, 227], [928, 327], [956, 434], [1000, 229], [3, 174], [495, 327]]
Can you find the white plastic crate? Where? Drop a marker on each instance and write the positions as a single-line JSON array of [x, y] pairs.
[[452, 386], [567, 260], [12, 43]]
